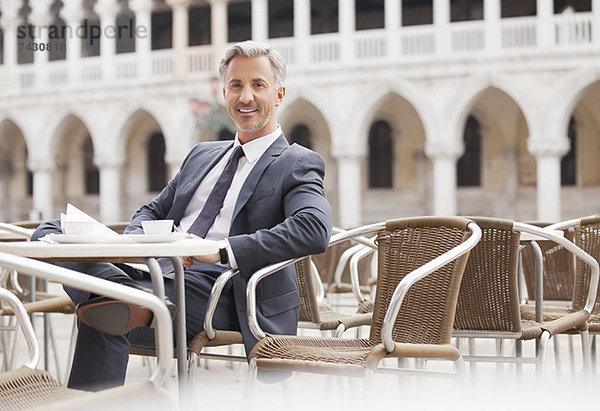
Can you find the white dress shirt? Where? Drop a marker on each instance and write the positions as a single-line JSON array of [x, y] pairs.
[[219, 231]]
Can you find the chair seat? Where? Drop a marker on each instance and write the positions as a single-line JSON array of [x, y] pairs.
[[25, 388], [332, 355], [314, 353]]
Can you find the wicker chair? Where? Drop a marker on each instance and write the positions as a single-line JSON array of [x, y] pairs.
[[36, 299], [420, 265], [28, 387], [313, 315], [586, 235], [488, 303]]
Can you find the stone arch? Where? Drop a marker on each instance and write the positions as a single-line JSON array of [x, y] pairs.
[[135, 135], [302, 111], [72, 151], [508, 170], [15, 179]]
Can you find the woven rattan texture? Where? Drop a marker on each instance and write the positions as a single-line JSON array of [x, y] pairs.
[[328, 350], [25, 388], [427, 312], [559, 269], [309, 308], [586, 236], [488, 298]]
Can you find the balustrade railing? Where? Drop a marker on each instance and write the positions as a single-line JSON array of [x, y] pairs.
[[514, 35]]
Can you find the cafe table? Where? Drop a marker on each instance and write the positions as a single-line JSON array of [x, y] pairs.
[[132, 248]]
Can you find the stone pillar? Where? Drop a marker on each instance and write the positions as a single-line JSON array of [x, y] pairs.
[[441, 21], [72, 13], [302, 30], [444, 155], [110, 188], [545, 28], [393, 22], [260, 20], [347, 26], [5, 177], [41, 18], [43, 170], [491, 16], [548, 153], [143, 38], [349, 160], [9, 21], [107, 10], [180, 33], [596, 22], [218, 28]]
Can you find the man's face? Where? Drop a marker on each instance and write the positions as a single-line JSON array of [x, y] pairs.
[[251, 96]]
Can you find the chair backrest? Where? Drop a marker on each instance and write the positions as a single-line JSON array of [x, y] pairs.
[[309, 306], [559, 268], [489, 297], [427, 311], [587, 237]]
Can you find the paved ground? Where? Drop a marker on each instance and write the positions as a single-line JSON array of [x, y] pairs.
[[486, 386]]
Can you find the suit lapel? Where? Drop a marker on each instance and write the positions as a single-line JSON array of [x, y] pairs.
[[252, 180]]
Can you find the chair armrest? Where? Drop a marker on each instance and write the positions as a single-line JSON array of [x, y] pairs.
[[573, 248], [164, 337], [21, 314], [15, 229], [213, 300], [354, 280], [273, 268], [415, 275], [251, 294]]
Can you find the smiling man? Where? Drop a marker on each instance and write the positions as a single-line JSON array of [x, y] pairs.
[[260, 198]]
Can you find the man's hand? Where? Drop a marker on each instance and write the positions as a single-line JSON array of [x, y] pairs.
[[188, 262]]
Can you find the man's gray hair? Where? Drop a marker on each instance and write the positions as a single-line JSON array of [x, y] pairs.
[[250, 49]]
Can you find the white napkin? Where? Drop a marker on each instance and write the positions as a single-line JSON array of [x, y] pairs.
[[74, 214]]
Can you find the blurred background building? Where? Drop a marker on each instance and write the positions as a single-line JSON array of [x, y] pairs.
[[471, 107]]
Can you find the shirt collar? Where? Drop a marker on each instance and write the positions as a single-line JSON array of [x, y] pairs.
[[254, 149]]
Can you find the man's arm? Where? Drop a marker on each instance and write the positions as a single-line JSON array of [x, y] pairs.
[[306, 228]]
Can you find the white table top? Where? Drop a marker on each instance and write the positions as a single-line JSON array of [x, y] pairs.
[[53, 252]]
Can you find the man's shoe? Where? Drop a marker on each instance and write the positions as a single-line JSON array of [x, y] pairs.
[[114, 317]]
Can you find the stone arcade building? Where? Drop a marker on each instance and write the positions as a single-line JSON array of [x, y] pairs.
[[472, 107]]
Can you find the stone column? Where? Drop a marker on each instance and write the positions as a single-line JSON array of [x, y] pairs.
[[491, 16], [347, 26], [107, 10], [393, 22], [302, 30], [41, 18], [260, 20], [444, 155], [72, 13], [441, 21], [43, 194], [143, 38], [110, 188], [545, 28], [9, 21], [180, 33], [5, 177], [349, 160], [218, 28], [548, 153]]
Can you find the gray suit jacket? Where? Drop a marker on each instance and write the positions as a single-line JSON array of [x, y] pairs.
[[281, 213]]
